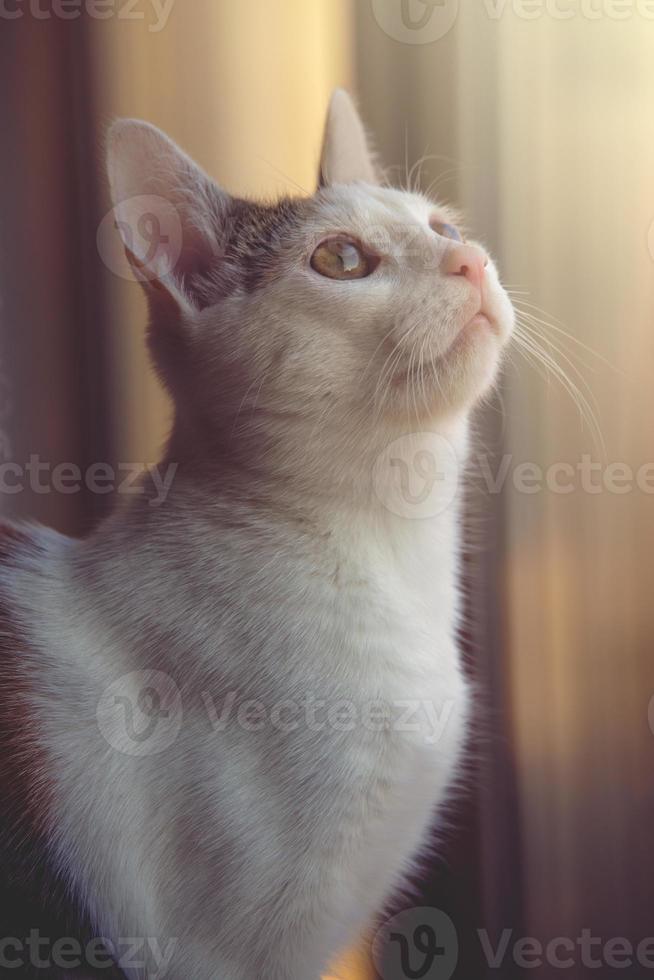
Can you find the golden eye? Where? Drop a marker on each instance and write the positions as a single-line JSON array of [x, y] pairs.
[[343, 258], [447, 231]]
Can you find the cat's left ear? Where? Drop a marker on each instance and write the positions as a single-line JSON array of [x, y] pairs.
[[346, 155], [170, 214]]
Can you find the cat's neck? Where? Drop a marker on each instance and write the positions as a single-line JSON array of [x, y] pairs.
[[299, 468], [129, 569]]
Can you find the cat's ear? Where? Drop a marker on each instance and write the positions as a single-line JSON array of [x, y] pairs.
[[346, 156], [170, 214]]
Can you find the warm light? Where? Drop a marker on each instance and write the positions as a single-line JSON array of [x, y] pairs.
[[355, 966]]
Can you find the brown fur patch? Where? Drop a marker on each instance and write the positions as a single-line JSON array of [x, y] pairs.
[[250, 244]]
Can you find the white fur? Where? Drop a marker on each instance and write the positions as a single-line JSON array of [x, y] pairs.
[[276, 573]]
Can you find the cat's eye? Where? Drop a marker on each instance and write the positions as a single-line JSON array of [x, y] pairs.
[[343, 258], [447, 231]]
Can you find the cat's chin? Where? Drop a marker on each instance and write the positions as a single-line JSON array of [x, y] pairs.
[[461, 375], [470, 367]]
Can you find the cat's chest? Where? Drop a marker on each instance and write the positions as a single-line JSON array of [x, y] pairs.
[[396, 664], [366, 628], [385, 650], [394, 622]]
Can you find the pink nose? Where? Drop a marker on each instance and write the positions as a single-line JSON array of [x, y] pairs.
[[468, 261]]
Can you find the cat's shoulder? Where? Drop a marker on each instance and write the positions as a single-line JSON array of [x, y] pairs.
[[28, 555], [18, 544], [26, 543], [14, 539]]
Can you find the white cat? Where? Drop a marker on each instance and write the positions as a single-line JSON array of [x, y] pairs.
[[233, 716]]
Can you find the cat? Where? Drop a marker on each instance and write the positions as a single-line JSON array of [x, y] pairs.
[[231, 718]]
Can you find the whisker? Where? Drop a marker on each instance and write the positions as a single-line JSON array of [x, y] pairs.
[[411, 382], [558, 328], [421, 370], [439, 181], [406, 155], [588, 410], [282, 173], [374, 353], [258, 378], [531, 359], [437, 381], [536, 335], [258, 394], [388, 368]]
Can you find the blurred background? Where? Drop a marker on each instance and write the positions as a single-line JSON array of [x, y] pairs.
[[534, 117]]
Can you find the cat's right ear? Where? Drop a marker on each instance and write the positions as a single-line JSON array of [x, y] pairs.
[[346, 156], [170, 214]]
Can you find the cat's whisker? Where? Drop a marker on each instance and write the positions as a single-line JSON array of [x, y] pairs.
[[243, 401], [376, 351], [437, 184], [556, 326], [526, 339], [548, 317], [534, 329], [431, 373], [391, 363], [410, 385], [391, 360], [499, 409], [286, 177], [414, 378], [258, 394], [545, 319], [536, 334], [323, 419], [407, 173], [380, 379], [414, 181], [379, 395], [531, 359], [421, 370]]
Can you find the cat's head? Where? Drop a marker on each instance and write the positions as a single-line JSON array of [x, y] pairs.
[[360, 308]]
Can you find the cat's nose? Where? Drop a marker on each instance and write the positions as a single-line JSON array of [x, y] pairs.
[[468, 261]]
